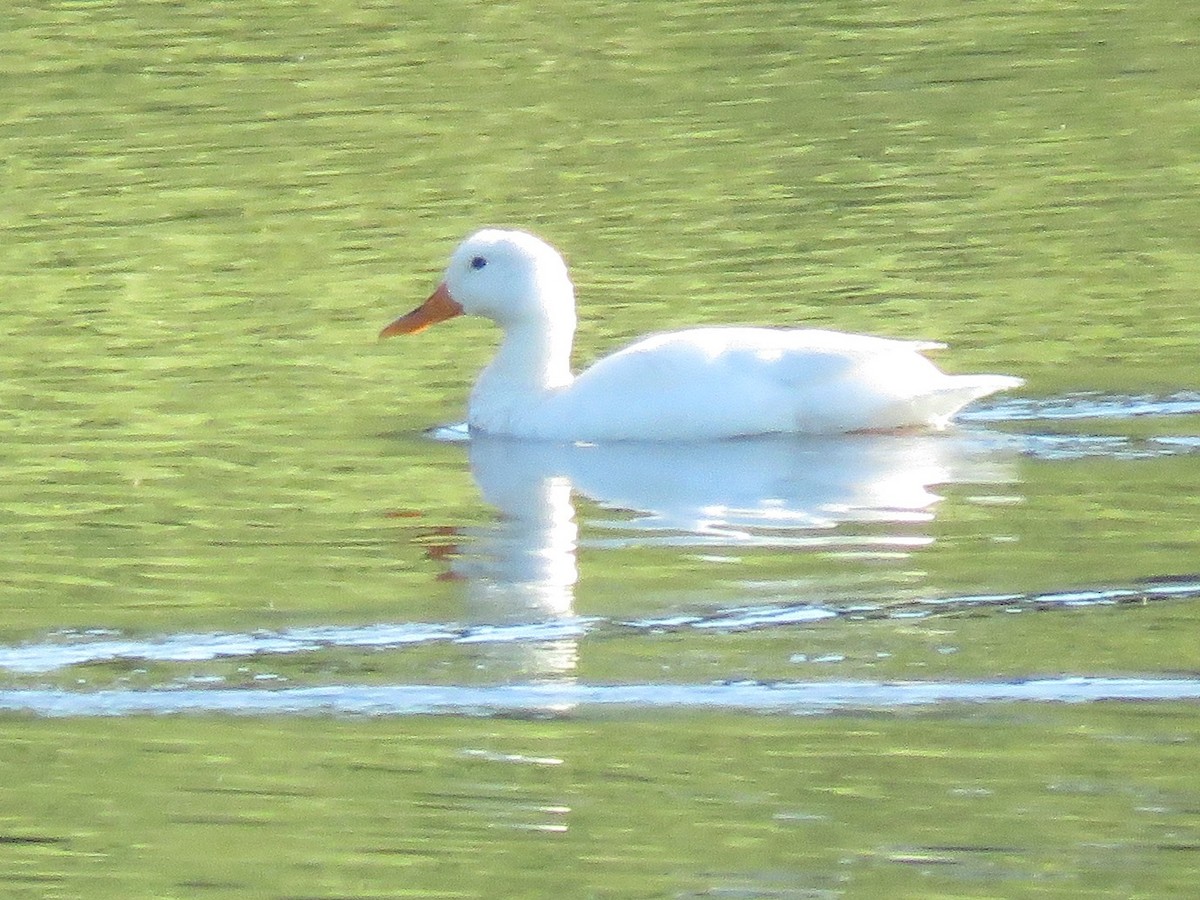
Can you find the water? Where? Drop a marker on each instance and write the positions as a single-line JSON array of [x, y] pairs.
[[269, 631]]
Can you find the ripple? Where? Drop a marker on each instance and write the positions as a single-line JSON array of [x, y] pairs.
[[546, 699], [1086, 406], [64, 650], [75, 648]]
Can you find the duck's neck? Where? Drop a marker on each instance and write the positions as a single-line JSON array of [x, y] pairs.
[[534, 355], [534, 361]]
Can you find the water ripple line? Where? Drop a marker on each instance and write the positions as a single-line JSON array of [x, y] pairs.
[[75, 648], [67, 649], [797, 698], [1086, 406]]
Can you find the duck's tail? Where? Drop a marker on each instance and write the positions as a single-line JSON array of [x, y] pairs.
[[940, 405]]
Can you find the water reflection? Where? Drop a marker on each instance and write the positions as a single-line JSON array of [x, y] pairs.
[[773, 491]]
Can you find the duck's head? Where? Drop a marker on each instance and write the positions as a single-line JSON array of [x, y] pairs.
[[510, 277]]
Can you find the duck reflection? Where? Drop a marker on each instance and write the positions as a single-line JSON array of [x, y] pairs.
[[770, 491]]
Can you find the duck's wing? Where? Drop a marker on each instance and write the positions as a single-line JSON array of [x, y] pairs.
[[701, 383], [723, 382]]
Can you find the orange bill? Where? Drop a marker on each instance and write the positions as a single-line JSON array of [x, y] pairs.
[[439, 307]]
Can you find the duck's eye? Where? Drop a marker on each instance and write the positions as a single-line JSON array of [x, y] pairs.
[[478, 262]]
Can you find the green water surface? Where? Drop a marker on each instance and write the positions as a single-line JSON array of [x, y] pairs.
[[208, 212]]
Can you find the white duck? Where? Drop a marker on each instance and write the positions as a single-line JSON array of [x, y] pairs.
[[698, 384]]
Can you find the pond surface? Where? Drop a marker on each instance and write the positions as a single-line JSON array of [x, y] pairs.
[[270, 630]]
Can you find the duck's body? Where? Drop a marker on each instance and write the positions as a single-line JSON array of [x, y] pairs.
[[724, 382], [698, 384]]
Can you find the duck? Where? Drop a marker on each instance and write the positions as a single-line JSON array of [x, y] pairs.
[[696, 384]]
